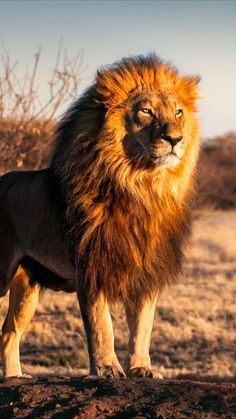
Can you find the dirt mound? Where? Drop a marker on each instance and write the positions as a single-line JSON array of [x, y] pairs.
[[89, 397]]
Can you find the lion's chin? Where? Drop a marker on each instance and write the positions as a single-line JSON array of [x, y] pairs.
[[168, 161]]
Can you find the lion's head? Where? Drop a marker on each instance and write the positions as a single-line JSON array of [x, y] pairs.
[[149, 108], [125, 157]]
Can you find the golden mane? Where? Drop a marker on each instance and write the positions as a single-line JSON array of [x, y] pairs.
[[128, 225]]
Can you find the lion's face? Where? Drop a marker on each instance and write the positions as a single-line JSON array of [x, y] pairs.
[[150, 125], [154, 130]]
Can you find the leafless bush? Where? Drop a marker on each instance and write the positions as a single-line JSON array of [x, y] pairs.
[[19, 97], [27, 123]]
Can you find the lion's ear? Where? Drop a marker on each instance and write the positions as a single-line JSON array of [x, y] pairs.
[[102, 85], [189, 90], [113, 85], [192, 82]]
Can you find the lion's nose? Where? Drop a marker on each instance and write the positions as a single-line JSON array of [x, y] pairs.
[[172, 139], [172, 133]]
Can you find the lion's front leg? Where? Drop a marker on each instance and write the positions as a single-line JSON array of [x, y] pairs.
[[140, 322], [99, 331]]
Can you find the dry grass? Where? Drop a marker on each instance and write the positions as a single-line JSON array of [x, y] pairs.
[[194, 329]]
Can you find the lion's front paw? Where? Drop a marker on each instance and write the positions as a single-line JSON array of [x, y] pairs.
[[23, 376], [143, 372], [110, 371]]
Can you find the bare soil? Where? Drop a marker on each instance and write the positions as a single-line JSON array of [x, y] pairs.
[[66, 397]]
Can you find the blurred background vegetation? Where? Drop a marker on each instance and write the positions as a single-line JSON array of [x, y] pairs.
[[27, 128]]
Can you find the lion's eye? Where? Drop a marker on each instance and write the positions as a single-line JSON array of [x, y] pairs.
[[178, 113], [146, 111]]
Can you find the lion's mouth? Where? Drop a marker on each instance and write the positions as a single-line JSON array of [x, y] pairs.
[[170, 159]]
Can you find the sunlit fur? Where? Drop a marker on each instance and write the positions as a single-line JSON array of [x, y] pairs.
[[128, 224]]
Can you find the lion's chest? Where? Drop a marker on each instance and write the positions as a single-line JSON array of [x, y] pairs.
[[127, 249], [129, 238]]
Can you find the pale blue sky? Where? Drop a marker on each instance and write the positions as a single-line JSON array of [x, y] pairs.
[[197, 36]]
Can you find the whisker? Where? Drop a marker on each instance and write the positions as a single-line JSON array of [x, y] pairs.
[[142, 145]]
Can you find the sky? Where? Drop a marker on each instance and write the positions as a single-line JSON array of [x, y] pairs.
[[199, 37]]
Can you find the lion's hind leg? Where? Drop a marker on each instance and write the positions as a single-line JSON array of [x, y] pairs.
[[22, 305]]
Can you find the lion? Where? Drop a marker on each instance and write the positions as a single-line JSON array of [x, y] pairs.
[[110, 217]]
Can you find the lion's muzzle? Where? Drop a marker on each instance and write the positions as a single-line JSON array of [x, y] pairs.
[[168, 145], [172, 133]]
